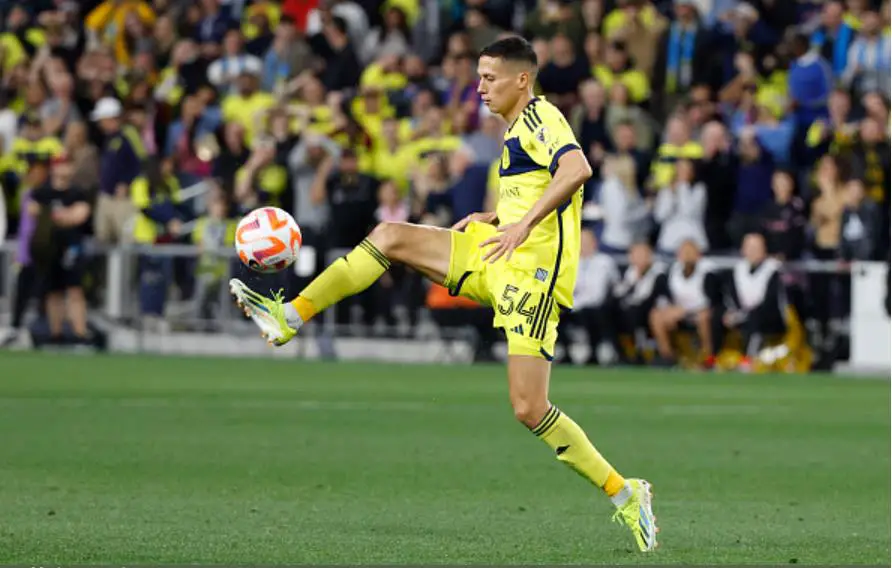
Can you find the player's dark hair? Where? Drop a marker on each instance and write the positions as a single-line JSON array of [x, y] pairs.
[[513, 48]]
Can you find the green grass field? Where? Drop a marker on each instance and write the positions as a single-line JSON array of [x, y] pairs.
[[166, 460]]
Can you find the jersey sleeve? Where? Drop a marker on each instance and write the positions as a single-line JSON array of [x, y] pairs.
[[548, 135]]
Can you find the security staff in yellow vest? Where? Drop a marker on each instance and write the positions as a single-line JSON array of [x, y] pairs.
[[678, 146], [618, 67], [155, 196], [29, 147], [214, 234]]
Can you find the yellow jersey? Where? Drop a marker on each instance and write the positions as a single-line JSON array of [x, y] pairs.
[[245, 111], [532, 147]]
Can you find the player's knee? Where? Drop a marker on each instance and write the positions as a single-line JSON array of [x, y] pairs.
[[386, 237], [529, 411]]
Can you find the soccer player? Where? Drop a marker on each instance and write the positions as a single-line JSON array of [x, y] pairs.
[[521, 260]]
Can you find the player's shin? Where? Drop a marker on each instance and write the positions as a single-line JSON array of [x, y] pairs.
[[573, 447], [345, 277]]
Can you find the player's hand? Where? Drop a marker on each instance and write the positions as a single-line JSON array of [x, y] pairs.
[[509, 238], [490, 218]]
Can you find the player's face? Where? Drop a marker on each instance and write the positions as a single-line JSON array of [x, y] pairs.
[[501, 83]]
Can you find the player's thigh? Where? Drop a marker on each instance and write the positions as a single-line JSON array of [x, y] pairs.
[[447, 257], [526, 309], [426, 249]]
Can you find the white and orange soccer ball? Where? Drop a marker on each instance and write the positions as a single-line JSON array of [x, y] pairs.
[[267, 240]]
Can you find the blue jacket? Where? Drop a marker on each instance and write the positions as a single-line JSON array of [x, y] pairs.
[[466, 196], [754, 184], [840, 54], [121, 160], [810, 82], [777, 139]]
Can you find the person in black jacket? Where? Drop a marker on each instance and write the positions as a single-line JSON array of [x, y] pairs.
[[63, 212], [636, 295], [785, 219], [352, 198], [342, 68], [718, 171]]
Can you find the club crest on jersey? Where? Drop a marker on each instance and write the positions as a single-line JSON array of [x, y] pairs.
[[541, 274], [542, 135]]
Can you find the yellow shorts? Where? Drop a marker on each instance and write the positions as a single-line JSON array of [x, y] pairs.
[[519, 297]]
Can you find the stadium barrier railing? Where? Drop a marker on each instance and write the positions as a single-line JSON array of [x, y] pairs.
[[863, 319]]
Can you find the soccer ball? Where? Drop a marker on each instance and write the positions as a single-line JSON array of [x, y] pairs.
[[267, 240]]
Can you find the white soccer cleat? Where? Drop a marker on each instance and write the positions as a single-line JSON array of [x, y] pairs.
[[637, 514], [268, 314]]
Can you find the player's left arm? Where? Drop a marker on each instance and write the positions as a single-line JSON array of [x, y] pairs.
[[559, 151]]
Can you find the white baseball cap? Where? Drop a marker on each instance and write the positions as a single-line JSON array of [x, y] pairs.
[[107, 107]]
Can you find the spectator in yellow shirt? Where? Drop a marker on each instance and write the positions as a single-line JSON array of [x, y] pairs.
[[393, 160], [640, 25], [678, 146], [106, 24], [370, 109], [619, 68], [248, 102], [254, 15]]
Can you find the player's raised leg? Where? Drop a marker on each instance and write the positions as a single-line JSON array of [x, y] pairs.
[[426, 249], [528, 378]]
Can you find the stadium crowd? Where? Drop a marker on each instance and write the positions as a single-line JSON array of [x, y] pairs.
[[710, 125]]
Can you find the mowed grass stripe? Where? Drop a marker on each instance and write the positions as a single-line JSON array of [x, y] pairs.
[[166, 460]]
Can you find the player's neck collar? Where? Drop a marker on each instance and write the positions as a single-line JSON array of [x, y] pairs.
[[529, 102]]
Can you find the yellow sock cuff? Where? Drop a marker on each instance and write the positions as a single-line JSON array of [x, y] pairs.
[[304, 308], [547, 422], [614, 484], [369, 247]]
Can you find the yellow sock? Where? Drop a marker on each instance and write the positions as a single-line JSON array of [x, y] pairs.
[[572, 447], [345, 277]]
